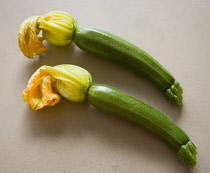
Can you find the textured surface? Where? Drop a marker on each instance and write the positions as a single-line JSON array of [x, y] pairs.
[[103, 44], [72, 137]]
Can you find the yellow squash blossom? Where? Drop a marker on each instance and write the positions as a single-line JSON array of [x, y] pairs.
[[47, 84], [57, 28]]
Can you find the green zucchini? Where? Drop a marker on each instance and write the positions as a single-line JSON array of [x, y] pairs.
[[107, 45], [111, 100]]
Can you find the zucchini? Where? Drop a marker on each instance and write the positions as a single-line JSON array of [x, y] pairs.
[[111, 100], [107, 45]]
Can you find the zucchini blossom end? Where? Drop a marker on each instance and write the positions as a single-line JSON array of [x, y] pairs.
[[47, 84], [57, 28]]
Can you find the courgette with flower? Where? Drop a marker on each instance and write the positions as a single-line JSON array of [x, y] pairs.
[[61, 29], [48, 84]]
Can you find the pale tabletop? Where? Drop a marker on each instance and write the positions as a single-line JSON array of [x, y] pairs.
[[78, 138]]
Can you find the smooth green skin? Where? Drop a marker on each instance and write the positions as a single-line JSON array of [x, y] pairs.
[[107, 45], [113, 101]]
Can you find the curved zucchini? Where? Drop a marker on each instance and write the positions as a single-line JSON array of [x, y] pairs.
[[107, 45], [113, 101]]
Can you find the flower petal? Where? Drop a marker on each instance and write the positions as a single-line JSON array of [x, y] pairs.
[[28, 41], [57, 27], [40, 91]]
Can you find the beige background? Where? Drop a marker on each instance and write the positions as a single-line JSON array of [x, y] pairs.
[[77, 138]]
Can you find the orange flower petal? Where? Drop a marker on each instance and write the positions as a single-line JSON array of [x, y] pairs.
[[29, 42], [40, 92]]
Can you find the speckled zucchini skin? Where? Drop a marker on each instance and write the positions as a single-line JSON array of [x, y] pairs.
[[107, 45], [113, 101]]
